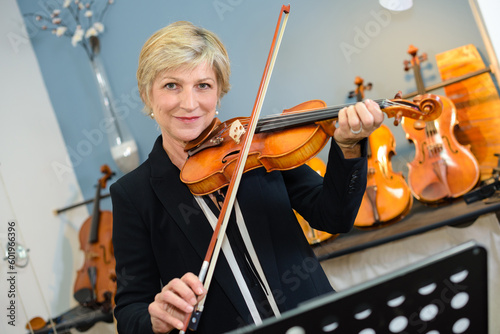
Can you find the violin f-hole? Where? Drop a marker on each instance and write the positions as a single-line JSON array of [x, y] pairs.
[[103, 249], [224, 158]]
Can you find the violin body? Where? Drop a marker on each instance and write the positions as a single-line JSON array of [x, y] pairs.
[[314, 236], [95, 283], [387, 198], [442, 168], [295, 146], [99, 258]]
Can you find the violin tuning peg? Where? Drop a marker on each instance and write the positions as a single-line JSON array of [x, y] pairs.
[[397, 118]]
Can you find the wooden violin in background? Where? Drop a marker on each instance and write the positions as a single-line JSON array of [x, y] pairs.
[[314, 236], [95, 284], [442, 169], [387, 198]]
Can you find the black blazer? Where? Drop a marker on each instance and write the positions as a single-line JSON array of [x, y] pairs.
[[160, 233]]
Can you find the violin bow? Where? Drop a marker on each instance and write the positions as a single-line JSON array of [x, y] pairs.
[[208, 266]]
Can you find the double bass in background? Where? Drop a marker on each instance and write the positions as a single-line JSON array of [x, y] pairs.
[[442, 169], [95, 283], [387, 197]]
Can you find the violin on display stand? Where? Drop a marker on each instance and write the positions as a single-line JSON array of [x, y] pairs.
[[95, 283], [387, 198], [442, 169]]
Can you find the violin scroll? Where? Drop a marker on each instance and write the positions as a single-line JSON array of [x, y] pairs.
[[108, 173], [415, 60], [425, 107]]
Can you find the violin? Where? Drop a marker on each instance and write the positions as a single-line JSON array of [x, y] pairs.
[[95, 283], [281, 142], [387, 198], [442, 169], [314, 236]]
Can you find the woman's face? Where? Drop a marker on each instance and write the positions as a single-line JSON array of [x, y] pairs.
[[183, 102]]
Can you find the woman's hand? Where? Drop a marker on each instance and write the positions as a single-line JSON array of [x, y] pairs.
[[356, 122], [175, 302]]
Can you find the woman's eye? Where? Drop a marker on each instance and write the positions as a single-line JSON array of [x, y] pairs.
[[171, 85], [204, 86]]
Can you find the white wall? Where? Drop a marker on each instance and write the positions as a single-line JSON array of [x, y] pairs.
[[30, 142]]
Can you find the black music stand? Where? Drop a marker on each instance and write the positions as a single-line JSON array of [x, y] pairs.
[[445, 293]]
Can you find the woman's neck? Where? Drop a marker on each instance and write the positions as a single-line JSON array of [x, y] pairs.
[[176, 153]]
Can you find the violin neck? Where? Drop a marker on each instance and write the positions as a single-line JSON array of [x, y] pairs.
[[293, 119], [419, 80], [96, 215]]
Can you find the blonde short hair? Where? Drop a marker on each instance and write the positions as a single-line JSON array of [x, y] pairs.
[[181, 44]]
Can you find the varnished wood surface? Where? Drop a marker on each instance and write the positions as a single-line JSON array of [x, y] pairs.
[[477, 103], [421, 219]]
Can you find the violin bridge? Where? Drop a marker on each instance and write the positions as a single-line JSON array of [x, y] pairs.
[[236, 130]]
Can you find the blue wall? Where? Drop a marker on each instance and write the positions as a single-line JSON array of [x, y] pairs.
[[326, 44]]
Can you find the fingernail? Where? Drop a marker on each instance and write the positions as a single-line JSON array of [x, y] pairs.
[[189, 309], [179, 325]]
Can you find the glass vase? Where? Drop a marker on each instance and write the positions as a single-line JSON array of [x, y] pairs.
[[122, 145]]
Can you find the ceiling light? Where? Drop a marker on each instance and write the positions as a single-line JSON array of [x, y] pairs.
[[396, 5]]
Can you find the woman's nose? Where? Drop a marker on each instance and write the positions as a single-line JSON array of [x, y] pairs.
[[188, 100]]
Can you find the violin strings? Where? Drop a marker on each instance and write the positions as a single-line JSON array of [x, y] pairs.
[[293, 118], [301, 113], [280, 121]]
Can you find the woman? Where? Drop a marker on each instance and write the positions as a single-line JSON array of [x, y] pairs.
[[162, 231]]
